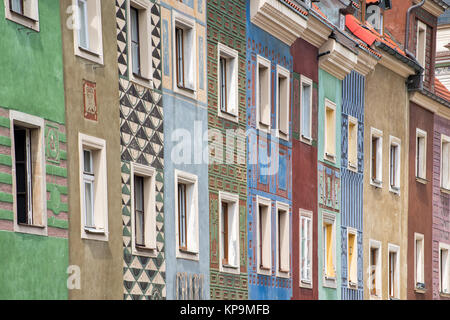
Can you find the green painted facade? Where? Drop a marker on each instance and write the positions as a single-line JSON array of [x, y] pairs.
[[32, 266], [329, 182]]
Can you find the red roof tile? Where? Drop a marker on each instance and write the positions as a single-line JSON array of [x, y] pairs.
[[441, 90]]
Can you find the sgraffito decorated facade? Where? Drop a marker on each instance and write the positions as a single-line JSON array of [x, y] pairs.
[[34, 211], [227, 168], [142, 153]]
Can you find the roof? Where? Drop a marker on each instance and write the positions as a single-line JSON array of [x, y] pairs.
[[441, 90], [367, 33]]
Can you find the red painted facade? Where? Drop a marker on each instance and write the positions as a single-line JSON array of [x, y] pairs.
[[420, 212], [304, 170]]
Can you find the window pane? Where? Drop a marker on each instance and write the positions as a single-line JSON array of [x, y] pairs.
[[83, 32], [139, 193], [88, 204], [182, 214], [224, 232], [135, 45], [17, 6], [140, 228], [22, 189], [180, 56], [223, 84], [306, 110], [87, 161]]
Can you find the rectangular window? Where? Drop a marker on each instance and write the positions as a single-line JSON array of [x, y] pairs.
[[185, 53], [228, 82], [421, 43], [374, 280], [352, 259], [419, 261], [144, 208], [445, 163], [306, 108], [283, 96], [88, 31], [229, 232], [444, 268], [329, 249], [376, 157], [23, 12], [394, 165], [264, 236], [88, 183], [283, 235], [421, 154], [135, 43], [93, 187], [306, 249], [263, 88], [29, 190], [352, 143], [330, 130], [394, 279], [186, 205]]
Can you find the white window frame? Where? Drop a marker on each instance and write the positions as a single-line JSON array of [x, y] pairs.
[[379, 134], [352, 165], [233, 200], [95, 29], [392, 248], [39, 173], [421, 27], [29, 19], [306, 81], [232, 57], [419, 271], [264, 125], [190, 64], [445, 185], [444, 246], [150, 230], [98, 146], [329, 155], [329, 218], [306, 283], [268, 250], [378, 278], [280, 206], [423, 156], [350, 284], [283, 73], [192, 252], [394, 141], [145, 43]]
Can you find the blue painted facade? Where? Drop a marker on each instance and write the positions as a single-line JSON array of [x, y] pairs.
[[353, 93], [185, 124], [269, 164]]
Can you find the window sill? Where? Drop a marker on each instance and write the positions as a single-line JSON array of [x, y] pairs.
[[394, 190], [306, 284], [282, 135], [183, 253], [374, 297], [352, 286], [226, 268], [421, 180], [377, 184], [444, 294], [143, 251], [190, 93], [144, 248], [330, 157], [444, 190], [23, 20], [283, 274], [94, 231], [228, 116], [330, 282], [31, 226], [352, 167], [89, 55], [263, 127], [141, 81], [421, 291], [394, 299], [306, 140]]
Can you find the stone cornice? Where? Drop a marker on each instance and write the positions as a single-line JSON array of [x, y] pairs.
[[430, 104], [337, 59], [395, 65], [366, 63], [432, 7]]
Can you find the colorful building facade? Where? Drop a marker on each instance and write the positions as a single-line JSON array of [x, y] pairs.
[[91, 87], [269, 156], [142, 153], [226, 47], [34, 211], [186, 197]]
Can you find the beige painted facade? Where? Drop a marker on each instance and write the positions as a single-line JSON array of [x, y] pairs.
[[100, 258], [385, 212]]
